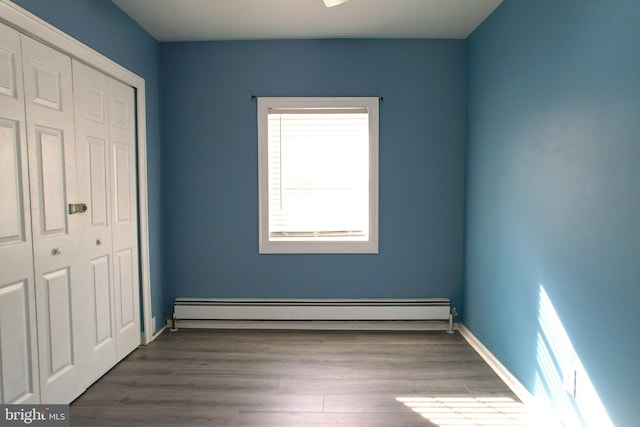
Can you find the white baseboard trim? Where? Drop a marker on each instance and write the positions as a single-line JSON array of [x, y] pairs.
[[504, 374], [377, 325], [157, 334], [545, 416]]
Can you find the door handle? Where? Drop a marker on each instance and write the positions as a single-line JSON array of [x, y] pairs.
[[56, 251], [77, 208], [98, 241]]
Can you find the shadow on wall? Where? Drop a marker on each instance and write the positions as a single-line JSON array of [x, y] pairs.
[[561, 381]]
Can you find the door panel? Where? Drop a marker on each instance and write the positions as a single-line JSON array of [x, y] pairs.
[[99, 195], [47, 89], [8, 53], [94, 98], [61, 290], [19, 377], [11, 206], [51, 180], [121, 116], [57, 321], [125, 288], [125, 227], [122, 182], [92, 145], [105, 123], [103, 309], [16, 351]]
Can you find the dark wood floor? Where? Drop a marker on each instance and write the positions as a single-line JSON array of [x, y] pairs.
[[299, 378]]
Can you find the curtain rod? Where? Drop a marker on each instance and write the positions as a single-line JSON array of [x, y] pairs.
[[255, 97]]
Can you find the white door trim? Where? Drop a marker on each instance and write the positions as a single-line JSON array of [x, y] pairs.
[[29, 24]]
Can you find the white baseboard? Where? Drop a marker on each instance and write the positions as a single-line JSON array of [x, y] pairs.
[[157, 334], [545, 416], [509, 379], [377, 325]]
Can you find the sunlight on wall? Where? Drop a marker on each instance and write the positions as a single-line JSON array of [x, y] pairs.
[[561, 375], [469, 411]]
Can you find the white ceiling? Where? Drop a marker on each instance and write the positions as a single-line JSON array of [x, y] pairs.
[[192, 20]]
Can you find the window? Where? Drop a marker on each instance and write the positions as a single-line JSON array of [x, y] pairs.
[[318, 175]]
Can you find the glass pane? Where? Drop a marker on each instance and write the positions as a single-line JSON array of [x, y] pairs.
[[318, 175]]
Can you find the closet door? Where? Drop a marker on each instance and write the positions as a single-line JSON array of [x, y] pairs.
[[18, 346], [124, 202], [61, 304], [105, 126], [94, 181]]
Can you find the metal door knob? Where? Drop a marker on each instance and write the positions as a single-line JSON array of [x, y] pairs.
[[56, 251], [98, 242]]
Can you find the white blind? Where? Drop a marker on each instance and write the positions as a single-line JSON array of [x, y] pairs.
[[318, 173]]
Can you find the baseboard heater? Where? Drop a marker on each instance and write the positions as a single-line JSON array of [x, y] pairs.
[[312, 309]]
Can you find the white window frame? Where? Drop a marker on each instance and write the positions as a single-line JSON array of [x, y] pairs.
[[267, 246]]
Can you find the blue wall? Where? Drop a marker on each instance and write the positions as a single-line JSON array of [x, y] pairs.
[[552, 182], [553, 190], [211, 158], [101, 25]]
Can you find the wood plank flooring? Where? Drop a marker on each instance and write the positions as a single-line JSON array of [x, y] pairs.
[[299, 378]]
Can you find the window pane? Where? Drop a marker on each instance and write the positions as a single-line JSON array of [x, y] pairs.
[[318, 175]]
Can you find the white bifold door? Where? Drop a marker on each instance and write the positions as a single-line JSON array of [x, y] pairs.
[[106, 175], [69, 280], [19, 380], [59, 278]]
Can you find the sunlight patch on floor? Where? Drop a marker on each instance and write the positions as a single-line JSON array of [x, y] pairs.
[[469, 411]]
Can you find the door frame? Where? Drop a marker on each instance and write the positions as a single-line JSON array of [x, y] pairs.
[[32, 26]]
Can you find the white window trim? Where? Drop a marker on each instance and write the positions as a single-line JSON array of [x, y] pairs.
[[310, 247]]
